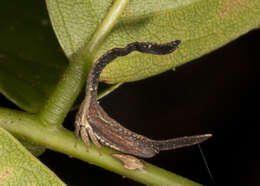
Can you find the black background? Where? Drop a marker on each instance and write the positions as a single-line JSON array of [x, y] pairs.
[[217, 94]]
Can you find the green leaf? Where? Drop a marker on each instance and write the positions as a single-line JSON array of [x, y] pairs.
[[34, 148], [202, 25], [19, 167], [31, 60], [75, 23]]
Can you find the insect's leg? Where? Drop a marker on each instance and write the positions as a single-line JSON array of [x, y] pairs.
[[78, 123], [76, 132], [84, 136], [93, 137], [78, 120]]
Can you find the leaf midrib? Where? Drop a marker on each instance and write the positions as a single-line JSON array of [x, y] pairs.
[[103, 29]]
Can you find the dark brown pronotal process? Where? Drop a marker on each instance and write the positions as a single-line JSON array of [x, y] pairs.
[[93, 123]]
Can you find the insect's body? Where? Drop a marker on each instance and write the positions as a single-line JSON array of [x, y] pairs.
[[92, 122]]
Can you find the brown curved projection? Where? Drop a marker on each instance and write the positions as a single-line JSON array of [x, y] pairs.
[[93, 123]]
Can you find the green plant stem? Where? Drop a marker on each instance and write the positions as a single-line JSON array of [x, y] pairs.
[[53, 136], [63, 140], [72, 81]]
